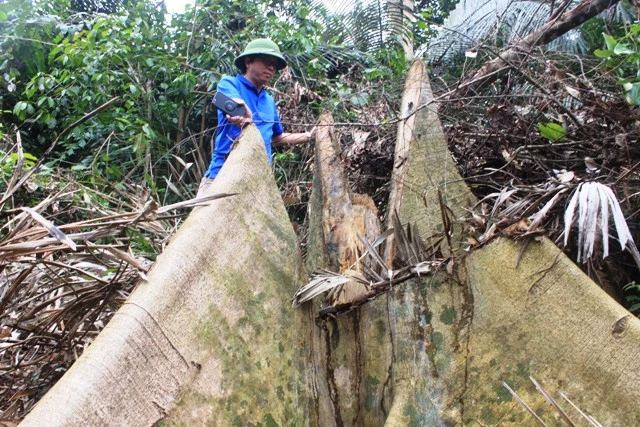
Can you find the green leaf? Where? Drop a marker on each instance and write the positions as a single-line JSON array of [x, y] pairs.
[[632, 92], [610, 41], [603, 53], [148, 131], [133, 89], [360, 100], [552, 131], [3, 16], [622, 49]]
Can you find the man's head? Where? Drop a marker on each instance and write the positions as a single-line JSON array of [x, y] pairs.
[[261, 49]]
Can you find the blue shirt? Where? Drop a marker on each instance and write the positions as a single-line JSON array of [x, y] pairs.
[[265, 117]]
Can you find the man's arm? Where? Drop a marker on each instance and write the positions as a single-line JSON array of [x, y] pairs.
[[290, 139]]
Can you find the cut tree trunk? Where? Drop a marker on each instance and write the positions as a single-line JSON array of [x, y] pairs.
[[457, 337], [341, 356], [429, 319], [516, 55], [211, 338]]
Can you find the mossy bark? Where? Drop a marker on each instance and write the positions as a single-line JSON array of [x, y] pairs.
[[457, 337], [211, 338], [543, 317], [429, 318]]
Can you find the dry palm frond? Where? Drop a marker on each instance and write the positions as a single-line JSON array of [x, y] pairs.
[[593, 202], [373, 253], [52, 229], [412, 259], [539, 216], [57, 293], [590, 206], [320, 282]]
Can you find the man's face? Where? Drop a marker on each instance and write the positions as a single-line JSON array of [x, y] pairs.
[[261, 69]]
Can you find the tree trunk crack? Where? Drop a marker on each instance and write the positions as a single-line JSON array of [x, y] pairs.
[[331, 381], [467, 321], [359, 367]]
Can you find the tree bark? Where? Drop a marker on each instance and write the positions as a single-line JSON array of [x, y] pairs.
[[457, 337], [515, 56], [429, 318], [211, 338]]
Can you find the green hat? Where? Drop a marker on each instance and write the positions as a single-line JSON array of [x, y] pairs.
[[260, 47]]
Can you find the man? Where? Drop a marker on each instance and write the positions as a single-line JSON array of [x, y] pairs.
[[258, 64]]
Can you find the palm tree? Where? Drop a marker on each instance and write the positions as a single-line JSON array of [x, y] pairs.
[[501, 22]]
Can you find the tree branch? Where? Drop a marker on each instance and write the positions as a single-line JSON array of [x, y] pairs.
[[546, 34]]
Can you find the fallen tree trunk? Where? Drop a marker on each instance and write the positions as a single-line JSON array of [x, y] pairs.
[[515, 56], [210, 339], [457, 336]]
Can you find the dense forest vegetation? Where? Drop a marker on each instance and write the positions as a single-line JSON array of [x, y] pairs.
[[105, 129]]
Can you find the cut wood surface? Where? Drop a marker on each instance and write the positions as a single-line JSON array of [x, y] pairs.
[[210, 339], [349, 379]]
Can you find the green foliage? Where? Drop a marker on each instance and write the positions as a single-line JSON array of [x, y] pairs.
[[56, 66], [552, 131], [8, 163], [632, 296], [92, 60], [623, 54]]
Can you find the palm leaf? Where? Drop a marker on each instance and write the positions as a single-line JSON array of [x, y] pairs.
[[366, 25], [593, 202], [320, 283], [473, 23]]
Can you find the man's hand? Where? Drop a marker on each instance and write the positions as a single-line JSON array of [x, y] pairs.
[[311, 136], [241, 121]]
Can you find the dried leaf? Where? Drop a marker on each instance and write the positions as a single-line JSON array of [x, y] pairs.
[[319, 283], [573, 92], [590, 164], [569, 214], [374, 254], [595, 202], [565, 176], [542, 213], [52, 229]]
